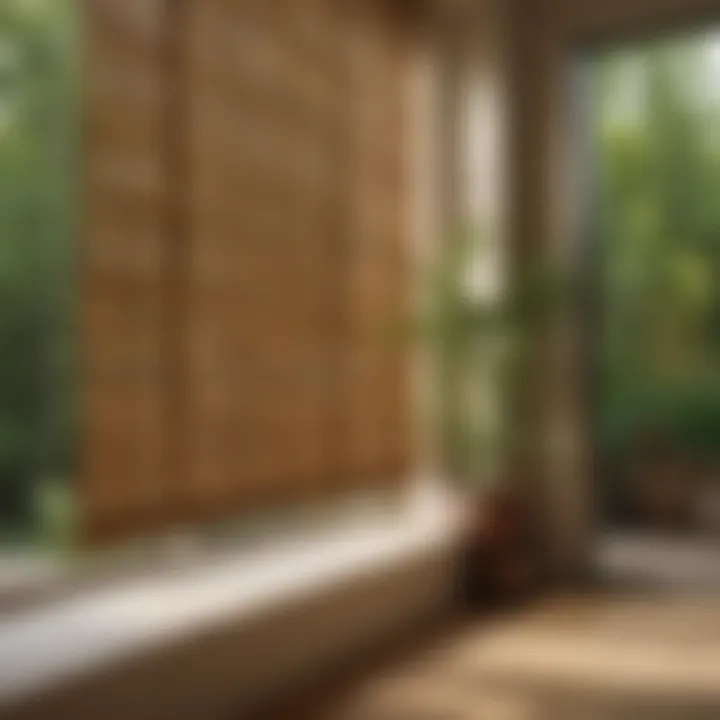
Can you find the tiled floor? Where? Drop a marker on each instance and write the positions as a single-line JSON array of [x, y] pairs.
[[571, 658]]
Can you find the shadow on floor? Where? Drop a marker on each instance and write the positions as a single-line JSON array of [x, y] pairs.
[[650, 655]]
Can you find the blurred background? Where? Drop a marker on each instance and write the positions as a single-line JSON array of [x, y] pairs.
[[413, 305], [39, 194], [651, 111], [658, 147]]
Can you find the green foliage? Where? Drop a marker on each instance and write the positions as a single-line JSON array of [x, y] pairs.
[[39, 138], [480, 340], [684, 415], [659, 137]]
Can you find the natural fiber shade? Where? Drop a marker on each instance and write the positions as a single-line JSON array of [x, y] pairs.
[[243, 267]]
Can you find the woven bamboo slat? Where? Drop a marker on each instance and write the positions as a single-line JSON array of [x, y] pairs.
[[123, 252], [244, 266]]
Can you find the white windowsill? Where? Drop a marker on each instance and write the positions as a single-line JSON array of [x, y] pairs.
[[47, 647]]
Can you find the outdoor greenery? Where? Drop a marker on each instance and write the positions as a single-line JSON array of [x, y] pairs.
[[659, 153], [657, 142], [481, 338], [39, 135]]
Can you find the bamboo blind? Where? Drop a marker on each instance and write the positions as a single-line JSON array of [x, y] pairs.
[[244, 269], [378, 405], [123, 266]]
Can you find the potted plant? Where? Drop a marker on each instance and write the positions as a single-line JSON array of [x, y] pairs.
[[481, 339]]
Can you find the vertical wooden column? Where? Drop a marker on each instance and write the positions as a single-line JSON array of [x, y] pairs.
[[549, 408]]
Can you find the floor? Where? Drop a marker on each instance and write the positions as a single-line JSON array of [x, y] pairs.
[[571, 658], [663, 563], [646, 651]]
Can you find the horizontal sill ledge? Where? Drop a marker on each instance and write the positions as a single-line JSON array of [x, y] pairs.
[[48, 648]]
